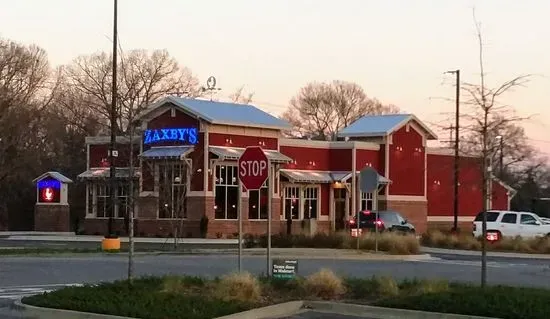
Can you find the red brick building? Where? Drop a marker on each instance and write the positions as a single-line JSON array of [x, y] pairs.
[[186, 156]]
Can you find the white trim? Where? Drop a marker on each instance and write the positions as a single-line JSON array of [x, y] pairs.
[[425, 172], [205, 163], [323, 218], [196, 194], [403, 198], [104, 139], [87, 157], [387, 163], [445, 151], [450, 218], [354, 188], [419, 131], [329, 144]]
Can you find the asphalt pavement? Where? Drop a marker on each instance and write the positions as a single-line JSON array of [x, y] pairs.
[[321, 315], [24, 275]]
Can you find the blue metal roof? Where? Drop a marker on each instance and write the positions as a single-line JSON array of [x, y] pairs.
[[55, 175], [230, 113], [374, 125], [172, 152]]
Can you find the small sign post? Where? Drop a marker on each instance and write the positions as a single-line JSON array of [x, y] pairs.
[[254, 170], [368, 183], [284, 269]]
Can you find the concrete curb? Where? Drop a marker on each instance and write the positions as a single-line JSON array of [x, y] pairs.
[[273, 311], [311, 254], [380, 312], [50, 313], [476, 253]]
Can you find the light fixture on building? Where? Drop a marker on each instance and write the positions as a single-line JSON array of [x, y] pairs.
[[228, 140], [437, 182], [368, 164], [399, 148], [200, 170], [261, 143], [311, 163]]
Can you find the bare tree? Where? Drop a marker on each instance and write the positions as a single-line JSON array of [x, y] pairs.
[[320, 110], [173, 184], [239, 96], [145, 78], [487, 117], [27, 84]]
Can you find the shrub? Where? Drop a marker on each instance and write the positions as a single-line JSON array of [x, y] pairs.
[[324, 284], [179, 284], [393, 243], [241, 287], [386, 286]]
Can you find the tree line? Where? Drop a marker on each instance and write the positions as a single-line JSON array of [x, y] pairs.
[[47, 111]]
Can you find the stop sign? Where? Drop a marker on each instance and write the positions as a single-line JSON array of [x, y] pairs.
[[253, 168]]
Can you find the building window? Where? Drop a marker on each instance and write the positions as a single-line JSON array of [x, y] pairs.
[[292, 202], [102, 203], [172, 190], [258, 202], [367, 201], [101, 196], [227, 192], [311, 202]]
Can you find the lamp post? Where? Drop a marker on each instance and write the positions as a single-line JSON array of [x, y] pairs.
[[456, 148]]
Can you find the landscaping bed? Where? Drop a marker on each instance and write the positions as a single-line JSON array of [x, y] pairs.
[[392, 243], [466, 241], [198, 298]]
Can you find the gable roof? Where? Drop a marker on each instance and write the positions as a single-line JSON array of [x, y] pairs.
[[55, 175], [382, 125], [222, 112]]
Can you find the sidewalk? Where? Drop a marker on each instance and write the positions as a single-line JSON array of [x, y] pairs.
[[88, 238], [430, 250]]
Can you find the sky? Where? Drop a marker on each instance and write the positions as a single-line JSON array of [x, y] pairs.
[[397, 51]]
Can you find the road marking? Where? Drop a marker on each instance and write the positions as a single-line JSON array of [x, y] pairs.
[[25, 291], [472, 263]]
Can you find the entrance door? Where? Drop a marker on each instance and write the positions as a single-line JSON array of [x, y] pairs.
[[340, 208]]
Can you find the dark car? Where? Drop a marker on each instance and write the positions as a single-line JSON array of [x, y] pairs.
[[385, 221]]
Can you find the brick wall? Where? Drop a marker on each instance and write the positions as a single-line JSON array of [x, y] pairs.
[[52, 218], [416, 212]]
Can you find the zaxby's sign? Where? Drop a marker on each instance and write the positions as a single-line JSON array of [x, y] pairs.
[[185, 135]]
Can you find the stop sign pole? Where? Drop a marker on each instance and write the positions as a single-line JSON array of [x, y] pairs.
[[254, 169]]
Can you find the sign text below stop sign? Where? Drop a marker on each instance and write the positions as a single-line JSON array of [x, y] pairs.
[[253, 168]]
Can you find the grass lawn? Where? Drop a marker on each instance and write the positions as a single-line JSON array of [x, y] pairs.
[[197, 298]]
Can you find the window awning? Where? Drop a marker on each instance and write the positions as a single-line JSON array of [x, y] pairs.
[[167, 152], [104, 173], [302, 176], [233, 153], [381, 178]]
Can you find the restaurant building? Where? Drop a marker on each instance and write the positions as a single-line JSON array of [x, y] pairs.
[[186, 156]]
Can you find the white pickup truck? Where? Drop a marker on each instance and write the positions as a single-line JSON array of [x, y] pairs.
[[511, 224]]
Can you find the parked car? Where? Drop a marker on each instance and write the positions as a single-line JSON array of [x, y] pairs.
[[502, 223], [386, 221], [545, 220]]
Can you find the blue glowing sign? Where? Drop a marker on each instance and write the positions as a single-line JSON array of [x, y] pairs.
[[187, 135], [49, 183]]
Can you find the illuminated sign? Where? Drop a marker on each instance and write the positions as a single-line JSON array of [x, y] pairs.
[[186, 135], [49, 191]]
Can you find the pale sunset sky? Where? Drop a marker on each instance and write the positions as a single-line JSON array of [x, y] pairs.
[[397, 50]]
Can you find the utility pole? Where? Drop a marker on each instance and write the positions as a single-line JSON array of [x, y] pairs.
[[500, 138], [456, 148], [113, 153]]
